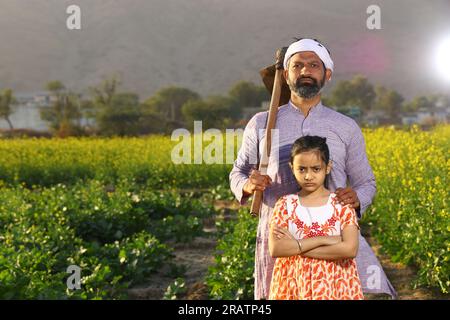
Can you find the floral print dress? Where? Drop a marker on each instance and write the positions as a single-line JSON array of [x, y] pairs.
[[303, 278]]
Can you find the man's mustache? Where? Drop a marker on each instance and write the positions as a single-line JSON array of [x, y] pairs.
[[299, 80]]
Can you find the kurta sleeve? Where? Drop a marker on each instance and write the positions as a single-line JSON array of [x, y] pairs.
[[359, 172], [246, 161]]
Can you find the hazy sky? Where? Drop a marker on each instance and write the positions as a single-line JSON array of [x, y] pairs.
[[208, 45]]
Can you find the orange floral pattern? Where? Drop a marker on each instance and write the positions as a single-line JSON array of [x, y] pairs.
[[303, 278]]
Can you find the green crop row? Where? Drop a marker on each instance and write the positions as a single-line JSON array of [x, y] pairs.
[[117, 235], [148, 161], [410, 215], [231, 277]]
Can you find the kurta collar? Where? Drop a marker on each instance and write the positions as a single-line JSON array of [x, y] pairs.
[[313, 111]]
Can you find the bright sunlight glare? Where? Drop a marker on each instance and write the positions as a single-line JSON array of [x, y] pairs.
[[443, 58]]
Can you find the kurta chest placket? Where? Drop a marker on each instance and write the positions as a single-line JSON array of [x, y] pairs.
[[308, 121], [306, 126]]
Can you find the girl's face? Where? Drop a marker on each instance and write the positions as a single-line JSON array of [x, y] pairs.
[[310, 170]]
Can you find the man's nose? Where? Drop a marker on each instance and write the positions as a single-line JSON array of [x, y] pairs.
[[305, 71]]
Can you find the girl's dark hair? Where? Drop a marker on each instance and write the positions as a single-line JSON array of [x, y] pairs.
[[308, 143]]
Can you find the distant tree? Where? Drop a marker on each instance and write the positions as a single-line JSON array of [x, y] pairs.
[[89, 113], [56, 87], [168, 103], [214, 112], [356, 92], [115, 113], [388, 101], [64, 113], [153, 122], [363, 91], [7, 100], [247, 94], [417, 103], [440, 100], [120, 116], [105, 91], [341, 94], [228, 106], [197, 110], [327, 101]]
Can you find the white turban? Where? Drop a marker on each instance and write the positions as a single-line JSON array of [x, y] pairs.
[[309, 45]]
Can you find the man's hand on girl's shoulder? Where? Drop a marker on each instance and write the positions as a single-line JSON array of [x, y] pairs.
[[347, 196]]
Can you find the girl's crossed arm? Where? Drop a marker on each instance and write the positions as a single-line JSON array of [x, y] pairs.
[[347, 248], [283, 244]]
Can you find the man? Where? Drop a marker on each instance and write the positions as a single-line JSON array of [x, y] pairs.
[[307, 68]]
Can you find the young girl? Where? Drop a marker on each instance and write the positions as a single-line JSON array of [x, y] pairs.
[[314, 238]]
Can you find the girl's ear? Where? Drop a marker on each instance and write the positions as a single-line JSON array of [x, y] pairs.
[[292, 168], [329, 166]]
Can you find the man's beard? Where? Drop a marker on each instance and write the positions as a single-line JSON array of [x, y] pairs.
[[306, 90]]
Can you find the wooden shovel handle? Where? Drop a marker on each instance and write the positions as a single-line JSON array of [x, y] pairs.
[[271, 120]]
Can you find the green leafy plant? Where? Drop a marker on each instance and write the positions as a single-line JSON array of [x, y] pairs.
[[232, 275], [175, 290]]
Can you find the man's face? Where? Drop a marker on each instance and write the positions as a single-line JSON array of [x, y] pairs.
[[306, 74]]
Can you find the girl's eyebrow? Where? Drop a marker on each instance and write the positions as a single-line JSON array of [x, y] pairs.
[[314, 166]]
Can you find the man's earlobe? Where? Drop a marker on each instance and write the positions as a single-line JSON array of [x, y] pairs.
[[328, 74]]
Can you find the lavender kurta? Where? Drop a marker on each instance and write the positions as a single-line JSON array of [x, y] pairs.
[[348, 155]]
